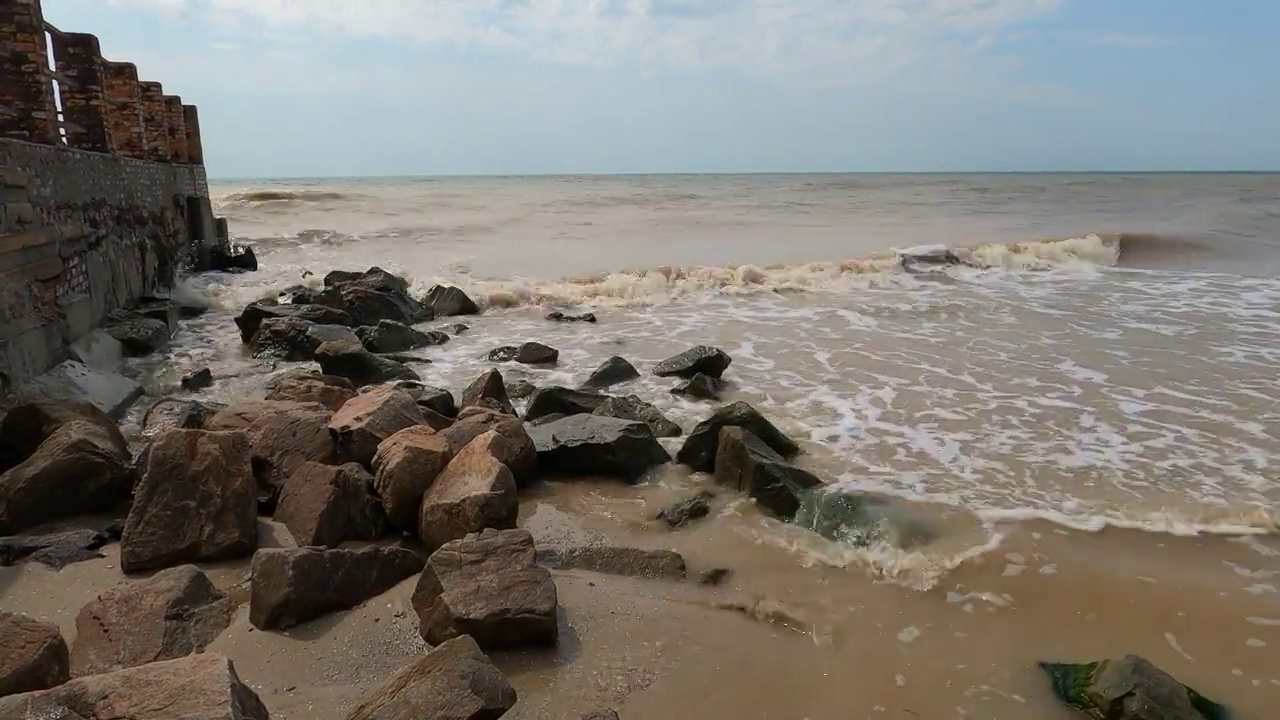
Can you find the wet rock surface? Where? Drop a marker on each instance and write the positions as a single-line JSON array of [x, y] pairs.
[[250, 320], [709, 361], [56, 550], [699, 450], [140, 336], [614, 371], [447, 301], [747, 464], [389, 336], [308, 386], [282, 435], [597, 446], [405, 465], [562, 401], [630, 407], [489, 387], [1130, 688], [476, 491], [198, 380], [360, 425], [530, 353], [326, 505], [686, 511], [699, 387], [519, 453], [292, 586], [361, 367]]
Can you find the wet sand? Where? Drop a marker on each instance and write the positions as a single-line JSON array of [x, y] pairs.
[[787, 635]]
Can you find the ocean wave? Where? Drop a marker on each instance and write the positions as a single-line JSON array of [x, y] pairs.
[[258, 197]]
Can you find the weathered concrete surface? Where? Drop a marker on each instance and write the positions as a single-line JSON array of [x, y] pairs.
[[71, 380]]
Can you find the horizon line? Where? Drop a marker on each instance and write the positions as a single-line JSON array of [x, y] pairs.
[[761, 173]]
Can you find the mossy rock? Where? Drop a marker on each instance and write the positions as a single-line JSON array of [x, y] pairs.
[[1115, 683]]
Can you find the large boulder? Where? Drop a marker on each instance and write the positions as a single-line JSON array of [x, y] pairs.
[[178, 413], [368, 305], [196, 501], [389, 336], [631, 407], [197, 687], [487, 585], [519, 453], [33, 655], [699, 450], [76, 470], [709, 361], [282, 436], [294, 339], [455, 681], [446, 300], [26, 426], [170, 615], [1131, 688], [374, 415], [614, 371], [563, 401], [140, 335], [197, 380], [405, 465], [294, 585], [438, 400], [597, 446], [698, 387], [253, 315], [748, 465], [609, 560], [326, 505], [361, 367], [311, 387], [476, 491], [488, 390]]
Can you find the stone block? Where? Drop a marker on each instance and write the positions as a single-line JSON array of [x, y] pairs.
[[77, 313], [99, 351], [72, 380]]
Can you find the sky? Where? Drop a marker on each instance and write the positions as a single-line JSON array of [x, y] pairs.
[[329, 88]]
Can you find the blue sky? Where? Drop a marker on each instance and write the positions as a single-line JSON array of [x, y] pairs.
[[412, 87]]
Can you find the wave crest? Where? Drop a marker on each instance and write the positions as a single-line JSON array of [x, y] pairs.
[[259, 197]]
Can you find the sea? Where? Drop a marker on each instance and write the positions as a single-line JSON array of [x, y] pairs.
[[1099, 372]]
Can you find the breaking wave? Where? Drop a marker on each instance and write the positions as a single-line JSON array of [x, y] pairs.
[[259, 197]]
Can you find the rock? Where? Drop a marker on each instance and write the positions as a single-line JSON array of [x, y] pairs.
[[633, 408], [57, 550], [368, 306], [715, 576], [71, 381], [633, 562], [488, 586], [361, 367], [687, 510], [33, 656], [292, 586], [389, 336], [340, 277], [25, 427], [562, 400], [857, 519], [601, 715], [330, 391], [558, 316], [709, 361], [699, 451], [178, 413], [533, 353], [79, 469], [140, 336], [519, 454], [699, 387], [1130, 688], [172, 614], [369, 418], [488, 386], [99, 351], [196, 501], [446, 301], [236, 259], [455, 681], [282, 436], [324, 505], [747, 464], [614, 371], [506, 353], [521, 389], [547, 419], [300, 295], [196, 687], [597, 446], [251, 319], [432, 398], [456, 328], [293, 339], [405, 465], [166, 311], [475, 491], [198, 380]]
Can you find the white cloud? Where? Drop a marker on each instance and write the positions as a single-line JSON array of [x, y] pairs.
[[1124, 40], [831, 34]]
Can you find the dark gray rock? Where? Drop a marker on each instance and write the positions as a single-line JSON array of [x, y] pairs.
[[1131, 688], [558, 316], [699, 450], [300, 295], [631, 407], [341, 277], [140, 335], [547, 419], [361, 367], [254, 314], [57, 550], [530, 353], [687, 510], [597, 446], [283, 338], [614, 371], [374, 298], [33, 656], [715, 576], [436, 399], [556, 400], [632, 562], [198, 380], [389, 336], [455, 681], [748, 465], [709, 361], [457, 328], [698, 387], [446, 301], [488, 387], [521, 389], [291, 586]]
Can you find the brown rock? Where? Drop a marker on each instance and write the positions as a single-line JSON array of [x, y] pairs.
[[405, 465], [371, 417], [33, 655], [476, 491], [197, 687], [520, 455], [282, 436], [78, 469], [26, 426], [292, 586], [307, 387], [488, 386], [487, 585], [633, 562], [196, 501], [455, 681], [178, 413], [327, 505], [173, 614]]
